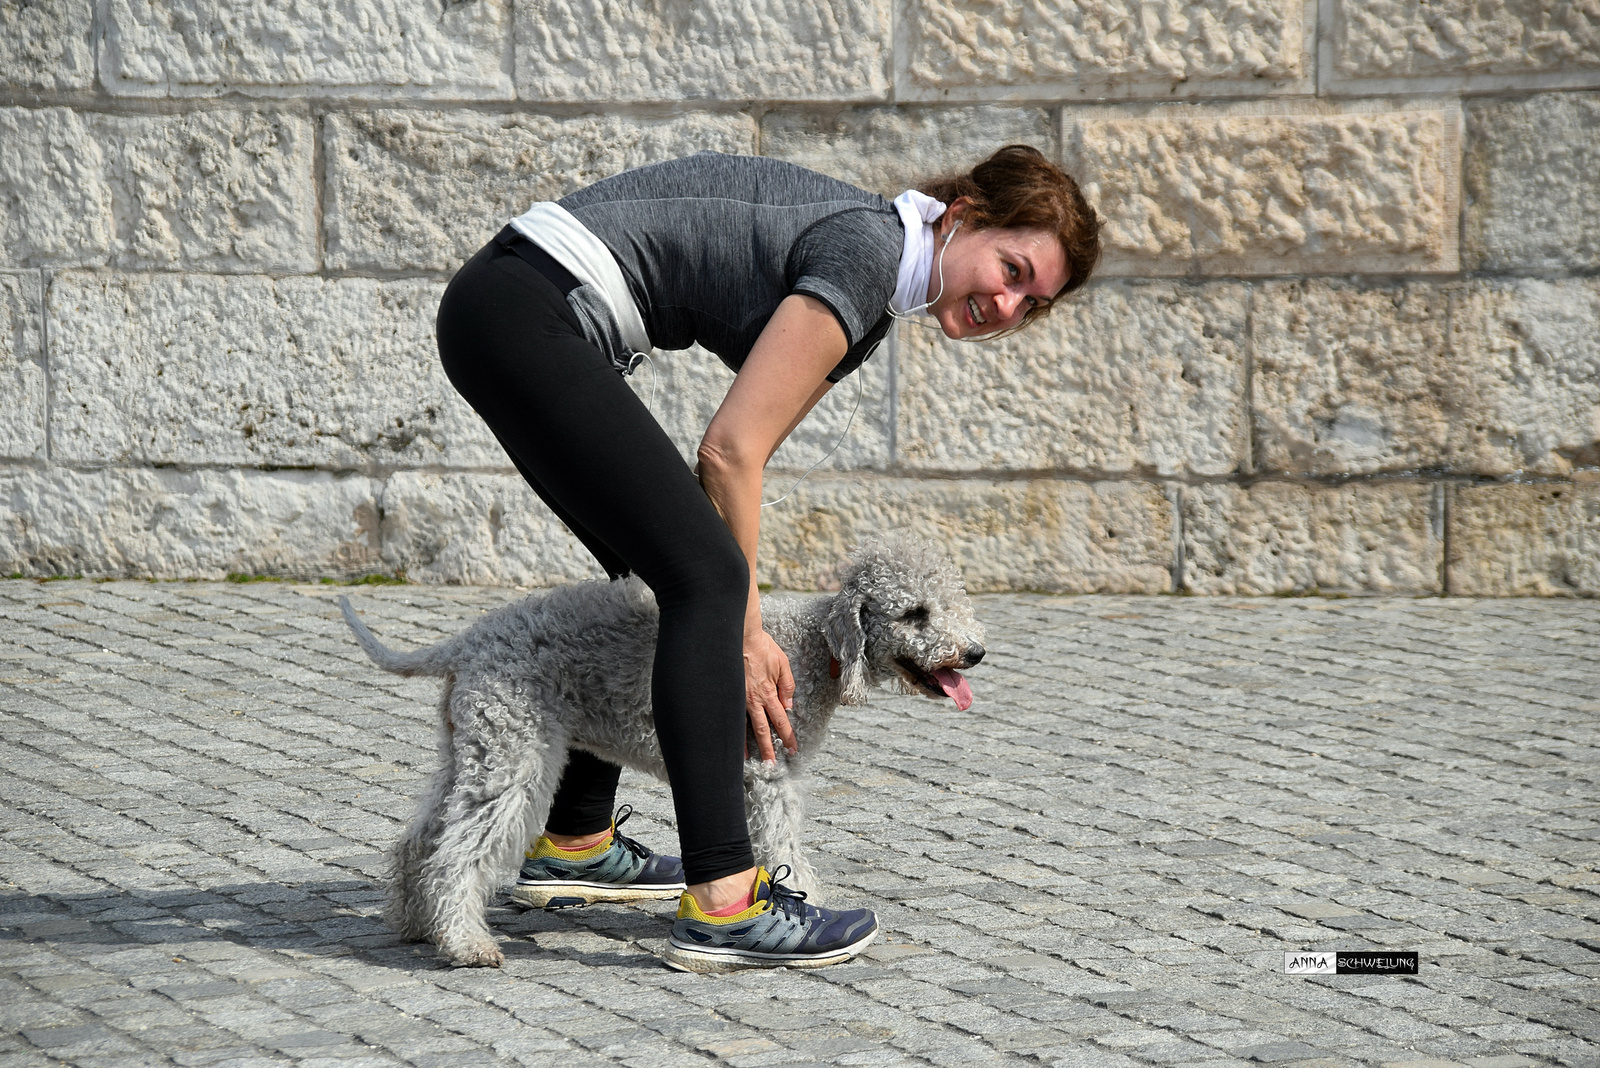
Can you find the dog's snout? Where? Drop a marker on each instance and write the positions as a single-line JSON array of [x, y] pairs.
[[973, 654]]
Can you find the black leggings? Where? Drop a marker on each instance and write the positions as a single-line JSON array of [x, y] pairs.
[[592, 451]]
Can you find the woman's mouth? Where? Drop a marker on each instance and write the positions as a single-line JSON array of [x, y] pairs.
[[974, 314]]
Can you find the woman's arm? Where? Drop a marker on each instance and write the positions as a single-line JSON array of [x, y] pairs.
[[782, 378]]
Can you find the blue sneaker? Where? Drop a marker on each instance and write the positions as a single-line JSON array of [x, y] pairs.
[[616, 868], [779, 930]]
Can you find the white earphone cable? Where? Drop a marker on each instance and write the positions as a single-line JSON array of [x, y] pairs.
[[861, 388]]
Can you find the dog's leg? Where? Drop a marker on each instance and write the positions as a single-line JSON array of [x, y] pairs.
[[507, 763], [407, 911], [774, 806]]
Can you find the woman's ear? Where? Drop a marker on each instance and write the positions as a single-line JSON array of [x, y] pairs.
[[847, 641]]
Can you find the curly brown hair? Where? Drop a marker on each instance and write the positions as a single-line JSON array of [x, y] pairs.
[[1018, 187]]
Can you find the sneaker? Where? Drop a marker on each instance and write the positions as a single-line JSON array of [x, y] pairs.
[[616, 868], [779, 930]]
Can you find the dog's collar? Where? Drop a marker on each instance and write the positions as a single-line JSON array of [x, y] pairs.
[[834, 669]]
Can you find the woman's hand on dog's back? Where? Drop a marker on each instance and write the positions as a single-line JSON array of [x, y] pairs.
[[769, 694]]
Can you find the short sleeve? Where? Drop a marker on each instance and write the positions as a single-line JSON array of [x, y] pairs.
[[849, 261]]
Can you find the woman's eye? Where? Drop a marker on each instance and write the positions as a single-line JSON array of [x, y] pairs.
[[1033, 302], [1013, 270]]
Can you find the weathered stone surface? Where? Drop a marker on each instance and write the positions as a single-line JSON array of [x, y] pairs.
[[1003, 47], [44, 44], [588, 51], [1352, 380], [1355, 379], [1409, 38], [55, 201], [1060, 536], [1122, 377], [418, 48], [220, 369], [477, 529], [888, 150], [1261, 194], [1039, 534], [212, 190], [1534, 346], [1529, 540], [426, 189], [1277, 537], [209, 190], [22, 376], [146, 523], [1488, 378], [1532, 177], [693, 383]]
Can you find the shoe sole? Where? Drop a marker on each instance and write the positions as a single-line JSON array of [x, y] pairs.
[[576, 895], [704, 960]]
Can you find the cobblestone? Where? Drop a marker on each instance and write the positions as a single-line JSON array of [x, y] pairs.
[[1101, 863]]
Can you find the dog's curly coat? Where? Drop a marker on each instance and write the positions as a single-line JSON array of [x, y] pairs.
[[571, 668]]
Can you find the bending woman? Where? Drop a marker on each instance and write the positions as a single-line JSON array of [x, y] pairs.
[[792, 279]]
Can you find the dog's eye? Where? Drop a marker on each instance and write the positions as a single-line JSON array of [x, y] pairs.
[[917, 615]]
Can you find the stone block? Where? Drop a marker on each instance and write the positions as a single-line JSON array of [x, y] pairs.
[[1532, 179], [1280, 537], [425, 189], [44, 44], [208, 190], [593, 51], [477, 529], [22, 372], [55, 200], [1388, 39], [1121, 378], [1059, 536], [143, 523], [693, 383], [418, 49], [1534, 347], [1003, 49], [888, 150], [1235, 191], [1038, 534], [1485, 378], [1537, 540], [218, 369]]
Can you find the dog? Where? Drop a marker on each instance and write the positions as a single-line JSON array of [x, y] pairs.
[[570, 668]]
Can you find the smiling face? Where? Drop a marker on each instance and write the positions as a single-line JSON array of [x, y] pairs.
[[991, 277]]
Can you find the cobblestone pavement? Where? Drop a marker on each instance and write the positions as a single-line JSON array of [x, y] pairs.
[[1102, 863]]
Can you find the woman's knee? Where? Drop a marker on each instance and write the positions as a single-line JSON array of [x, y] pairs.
[[715, 575]]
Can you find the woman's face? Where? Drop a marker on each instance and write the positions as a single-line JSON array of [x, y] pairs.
[[991, 277]]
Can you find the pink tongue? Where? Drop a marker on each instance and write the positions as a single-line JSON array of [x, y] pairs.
[[955, 687]]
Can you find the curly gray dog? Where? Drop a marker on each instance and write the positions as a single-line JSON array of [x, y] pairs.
[[571, 668]]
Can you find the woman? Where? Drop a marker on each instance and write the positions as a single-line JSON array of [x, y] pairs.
[[792, 279]]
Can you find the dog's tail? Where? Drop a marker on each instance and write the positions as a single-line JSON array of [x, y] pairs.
[[434, 660]]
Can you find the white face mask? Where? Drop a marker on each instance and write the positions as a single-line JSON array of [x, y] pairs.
[[917, 212]]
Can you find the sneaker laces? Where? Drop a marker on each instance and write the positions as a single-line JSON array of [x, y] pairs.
[[791, 902], [638, 849]]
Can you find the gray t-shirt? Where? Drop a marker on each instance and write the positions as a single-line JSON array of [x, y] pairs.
[[711, 244]]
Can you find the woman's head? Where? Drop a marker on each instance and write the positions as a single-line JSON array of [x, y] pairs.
[[1017, 235]]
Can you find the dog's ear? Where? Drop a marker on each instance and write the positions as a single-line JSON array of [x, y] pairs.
[[847, 641]]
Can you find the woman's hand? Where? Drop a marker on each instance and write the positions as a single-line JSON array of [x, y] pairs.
[[768, 693]]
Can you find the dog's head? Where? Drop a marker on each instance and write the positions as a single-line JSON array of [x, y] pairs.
[[902, 613]]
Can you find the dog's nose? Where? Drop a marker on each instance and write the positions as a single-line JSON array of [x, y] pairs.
[[974, 654]]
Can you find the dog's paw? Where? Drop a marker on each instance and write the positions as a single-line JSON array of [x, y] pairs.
[[481, 955]]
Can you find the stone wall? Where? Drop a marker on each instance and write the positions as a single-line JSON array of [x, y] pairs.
[[1346, 336]]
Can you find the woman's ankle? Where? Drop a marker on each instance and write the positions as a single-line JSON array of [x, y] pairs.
[[574, 843], [720, 894]]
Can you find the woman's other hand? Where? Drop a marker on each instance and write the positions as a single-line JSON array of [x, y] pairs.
[[768, 693]]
